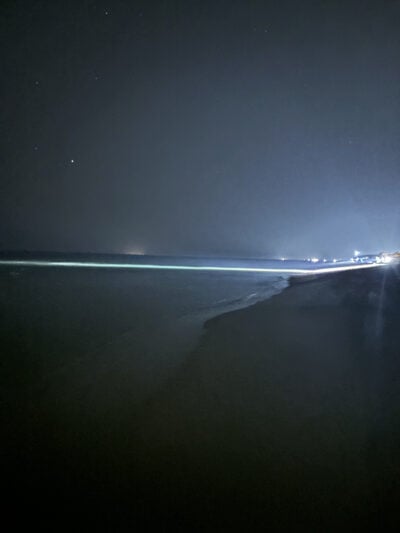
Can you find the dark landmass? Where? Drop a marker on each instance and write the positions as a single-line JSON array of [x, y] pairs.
[[284, 417]]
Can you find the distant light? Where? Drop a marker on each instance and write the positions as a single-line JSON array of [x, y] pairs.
[[283, 258], [387, 259], [134, 251], [334, 260], [72, 160], [356, 253], [314, 260]]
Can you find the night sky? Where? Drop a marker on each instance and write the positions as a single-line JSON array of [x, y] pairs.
[[230, 128]]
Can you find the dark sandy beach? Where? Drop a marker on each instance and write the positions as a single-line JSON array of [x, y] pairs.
[[284, 416], [287, 414]]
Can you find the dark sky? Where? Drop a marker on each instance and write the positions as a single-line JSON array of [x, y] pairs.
[[242, 128]]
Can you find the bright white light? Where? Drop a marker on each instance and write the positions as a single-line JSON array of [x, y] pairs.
[[314, 260], [387, 259], [335, 260], [357, 253], [283, 258], [78, 264]]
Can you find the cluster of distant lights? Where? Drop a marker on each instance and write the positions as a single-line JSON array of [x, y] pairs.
[[383, 258]]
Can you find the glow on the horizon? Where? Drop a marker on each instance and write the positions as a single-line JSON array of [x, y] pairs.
[[386, 259], [209, 268]]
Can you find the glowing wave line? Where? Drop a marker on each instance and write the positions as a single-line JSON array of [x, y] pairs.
[[78, 264]]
